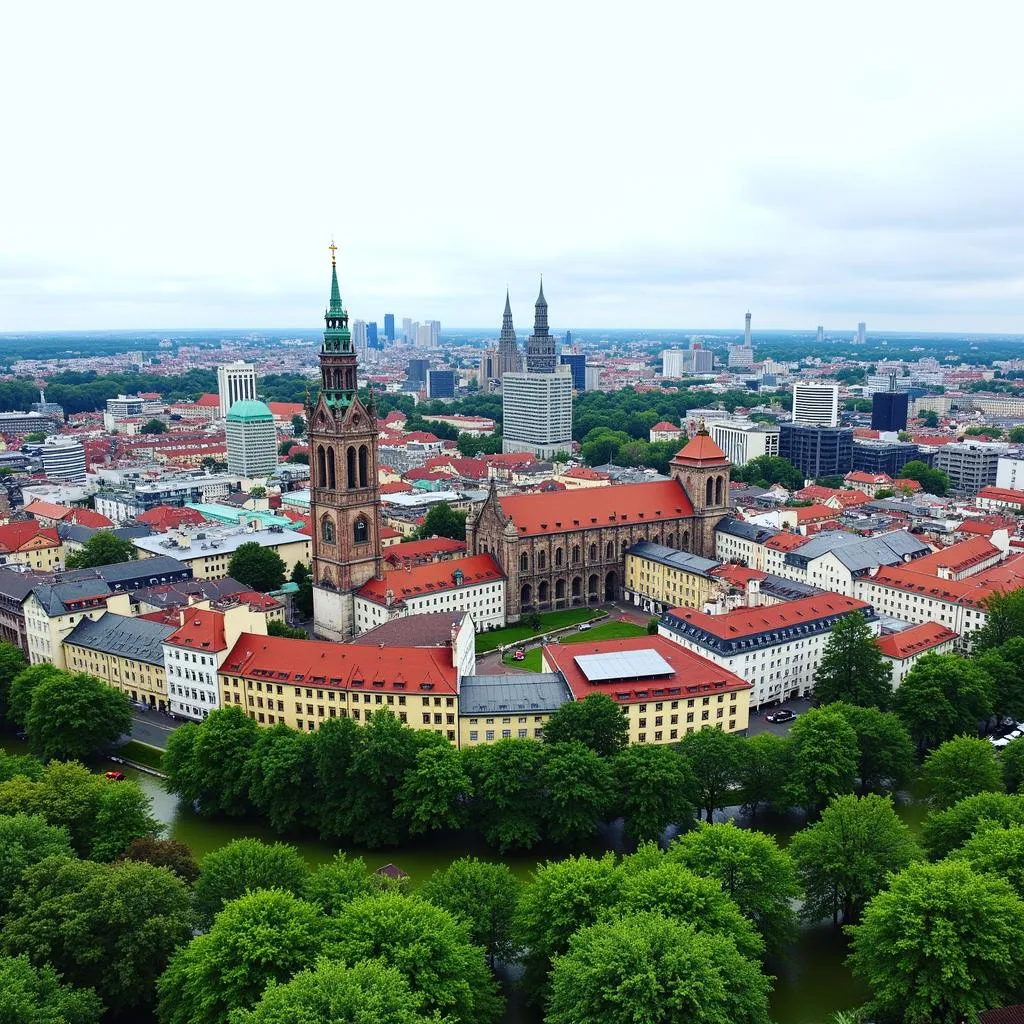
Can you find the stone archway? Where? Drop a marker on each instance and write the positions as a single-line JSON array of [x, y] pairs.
[[525, 597], [559, 593], [577, 589], [543, 593], [611, 586], [592, 592]]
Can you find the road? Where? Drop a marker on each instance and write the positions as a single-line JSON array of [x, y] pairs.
[[759, 725], [153, 727]]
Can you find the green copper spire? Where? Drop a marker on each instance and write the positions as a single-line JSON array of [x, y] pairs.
[[335, 306], [336, 335]]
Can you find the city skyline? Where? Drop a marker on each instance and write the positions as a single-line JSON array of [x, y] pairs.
[[806, 166]]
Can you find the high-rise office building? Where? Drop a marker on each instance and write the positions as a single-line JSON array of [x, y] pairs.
[[536, 413], [577, 363], [389, 326], [510, 359], [862, 332], [817, 451], [816, 404], [490, 367], [884, 456], [540, 346], [407, 332], [359, 336], [741, 357], [681, 362], [435, 333], [63, 459], [568, 340], [371, 335], [251, 438], [423, 335], [821, 334], [417, 371], [969, 466], [746, 331], [742, 440], [889, 408], [440, 384], [236, 382]]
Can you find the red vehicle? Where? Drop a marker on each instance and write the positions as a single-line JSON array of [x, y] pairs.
[[519, 655], [114, 776]]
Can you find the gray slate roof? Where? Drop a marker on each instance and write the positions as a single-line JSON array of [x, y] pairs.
[[746, 531], [673, 558], [55, 597], [859, 553], [77, 533], [512, 694], [138, 639], [787, 590]]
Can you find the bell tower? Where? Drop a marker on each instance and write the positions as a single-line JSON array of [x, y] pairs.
[[344, 493], [703, 470]]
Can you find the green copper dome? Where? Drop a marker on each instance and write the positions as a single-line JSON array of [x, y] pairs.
[[248, 410]]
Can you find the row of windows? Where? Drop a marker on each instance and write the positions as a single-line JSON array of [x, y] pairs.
[[674, 733], [506, 734]]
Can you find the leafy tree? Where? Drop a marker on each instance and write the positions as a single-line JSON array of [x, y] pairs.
[[960, 768], [154, 426], [483, 896], [334, 884], [298, 425], [35, 995], [208, 764], [654, 788], [943, 831], [929, 418], [111, 928], [561, 898], [277, 628], [434, 791], [1004, 621], [886, 492], [645, 967], [766, 470], [596, 722], [715, 759], [758, 876], [941, 696], [427, 945], [13, 766], [933, 481], [1012, 760], [652, 626], [764, 767], [258, 939], [825, 752], [35, 437], [334, 745], [1005, 667], [257, 567], [886, 752], [853, 668], [299, 458], [303, 578], [332, 993], [123, 814], [997, 851], [257, 491], [942, 943], [667, 887], [23, 685], [102, 548], [845, 858], [164, 853], [243, 865], [1016, 435], [577, 785], [280, 781], [26, 839], [12, 661], [286, 445], [74, 716], [507, 797], [442, 521]]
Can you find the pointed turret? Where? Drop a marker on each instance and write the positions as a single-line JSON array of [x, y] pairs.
[[509, 358], [337, 357], [540, 348]]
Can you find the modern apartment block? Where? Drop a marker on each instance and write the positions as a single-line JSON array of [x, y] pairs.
[[537, 413], [816, 405], [742, 441], [969, 466], [817, 451]]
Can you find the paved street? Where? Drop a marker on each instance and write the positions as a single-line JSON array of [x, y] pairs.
[[759, 725], [153, 727]]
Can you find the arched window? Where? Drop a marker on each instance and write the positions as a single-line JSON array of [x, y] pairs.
[[351, 459], [593, 552], [327, 529], [364, 460], [321, 467], [332, 480], [558, 556], [524, 562], [360, 530], [575, 553], [609, 549], [719, 490], [542, 560]]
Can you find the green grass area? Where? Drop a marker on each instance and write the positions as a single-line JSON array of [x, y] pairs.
[[142, 753], [531, 663], [606, 631], [523, 630]]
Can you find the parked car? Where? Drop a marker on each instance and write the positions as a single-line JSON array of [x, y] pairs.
[[519, 655], [114, 776], [782, 715], [583, 627]]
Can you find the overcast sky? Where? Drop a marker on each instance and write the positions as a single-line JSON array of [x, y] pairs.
[[663, 164]]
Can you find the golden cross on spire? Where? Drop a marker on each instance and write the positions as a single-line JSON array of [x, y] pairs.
[[334, 250]]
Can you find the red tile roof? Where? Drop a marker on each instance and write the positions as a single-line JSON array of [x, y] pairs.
[[281, 660], [665, 426], [701, 451], [957, 557], [815, 513], [417, 550], [208, 401], [87, 517], [858, 476], [46, 510], [692, 675], [564, 511], [396, 487], [905, 484], [431, 578], [258, 602], [737, 575], [17, 536], [786, 541], [286, 410], [1003, 494], [849, 498], [202, 630], [751, 621], [915, 640], [971, 592]]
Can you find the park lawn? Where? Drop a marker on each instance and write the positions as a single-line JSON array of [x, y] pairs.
[[142, 753], [522, 630], [531, 663], [606, 631]]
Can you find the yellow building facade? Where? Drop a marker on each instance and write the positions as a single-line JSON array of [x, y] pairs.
[[658, 577]]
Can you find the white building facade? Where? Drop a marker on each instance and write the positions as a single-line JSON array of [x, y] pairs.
[[537, 413], [236, 382]]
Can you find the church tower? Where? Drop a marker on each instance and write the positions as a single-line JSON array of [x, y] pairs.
[[540, 346], [510, 359], [703, 470], [344, 493]]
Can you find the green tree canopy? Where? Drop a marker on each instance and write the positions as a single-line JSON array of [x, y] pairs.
[[885, 751], [26, 839], [763, 772], [933, 481], [752, 870], [996, 851], [596, 722], [824, 752], [280, 781], [246, 865], [153, 426], [12, 661], [1012, 760], [766, 470], [960, 768], [942, 696], [964, 960], [577, 784], [334, 884], [434, 792], [1004, 665], [654, 789], [646, 967], [164, 853], [430, 948], [715, 758], [507, 800], [853, 668], [102, 548], [483, 896], [442, 521], [35, 995], [23, 685], [1004, 621], [259, 938], [258, 567], [277, 628], [943, 831], [844, 859]]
